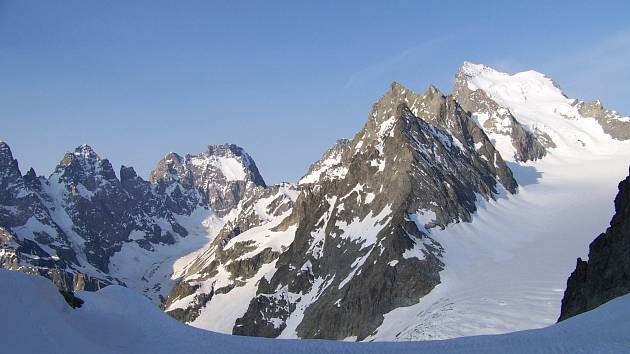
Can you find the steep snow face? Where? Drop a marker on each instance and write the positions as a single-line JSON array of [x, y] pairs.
[[506, 270], [230, 167], [216, 284], [118, 320]]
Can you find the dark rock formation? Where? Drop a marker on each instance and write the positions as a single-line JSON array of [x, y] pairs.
[[606, 274]]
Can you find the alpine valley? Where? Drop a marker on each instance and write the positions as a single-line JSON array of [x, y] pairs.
[[446, 215]]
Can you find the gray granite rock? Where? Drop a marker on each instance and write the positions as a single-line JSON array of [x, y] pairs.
[[606, 274], [612, 122]]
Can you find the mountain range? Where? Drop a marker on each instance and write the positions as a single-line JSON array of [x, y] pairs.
[[446, 215]]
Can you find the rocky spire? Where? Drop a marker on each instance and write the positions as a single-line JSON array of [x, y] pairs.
[[83, 166], [9, 169]]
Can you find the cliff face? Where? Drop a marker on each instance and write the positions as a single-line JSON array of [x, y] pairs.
[[606, 274]]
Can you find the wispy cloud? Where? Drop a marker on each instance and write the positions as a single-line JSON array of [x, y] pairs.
[[598, 69], [388, 64]]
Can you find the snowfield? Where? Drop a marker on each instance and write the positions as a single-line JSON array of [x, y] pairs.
[[36, 319]]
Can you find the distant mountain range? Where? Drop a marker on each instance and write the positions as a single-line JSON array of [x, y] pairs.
[[446, 215]]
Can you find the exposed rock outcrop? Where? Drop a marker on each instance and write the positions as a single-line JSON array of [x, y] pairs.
[[606, 274], [612, 122]]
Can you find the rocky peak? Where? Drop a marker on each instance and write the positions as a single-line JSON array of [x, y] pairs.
[[138, 188], [470, 70], [85, 167], [221, 172], [9, 170], [439, 111], [170, 168], [5, 151], [31, 179], [413, 166], [127, 174], [398, 94], [85, 151], [228, 161]]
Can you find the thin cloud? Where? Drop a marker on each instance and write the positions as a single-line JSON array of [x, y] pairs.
[[388, 64], [594, 70], [597, 70]]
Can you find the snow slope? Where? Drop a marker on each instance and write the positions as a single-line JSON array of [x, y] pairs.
[[154, 272], [118, 320], [507, 269]]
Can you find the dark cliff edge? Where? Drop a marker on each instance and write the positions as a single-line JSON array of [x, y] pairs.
[[606, 274]]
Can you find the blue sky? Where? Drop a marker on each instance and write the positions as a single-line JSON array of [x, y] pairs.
[[282, 79]]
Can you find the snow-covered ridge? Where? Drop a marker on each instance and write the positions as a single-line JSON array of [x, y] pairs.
[[118, 320]]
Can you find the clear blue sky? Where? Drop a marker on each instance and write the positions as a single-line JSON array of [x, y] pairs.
[[282, 79]]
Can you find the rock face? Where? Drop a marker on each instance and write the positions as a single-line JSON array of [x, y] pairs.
[[612, 122], [87, 188], [361, 246], [606, 274]]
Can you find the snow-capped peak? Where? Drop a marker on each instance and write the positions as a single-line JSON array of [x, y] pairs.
[[230, 160], [471, 69], [538, 103], [85, 151], [523, 86]]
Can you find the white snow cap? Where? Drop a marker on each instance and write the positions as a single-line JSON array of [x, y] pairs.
[[472, 69], [85, 151]]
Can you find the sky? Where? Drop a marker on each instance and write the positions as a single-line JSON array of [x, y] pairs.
[[283, 79]]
